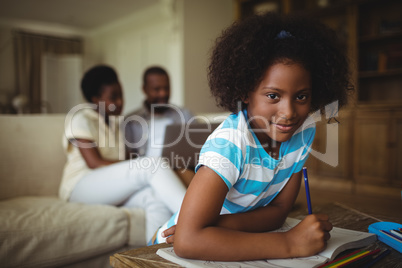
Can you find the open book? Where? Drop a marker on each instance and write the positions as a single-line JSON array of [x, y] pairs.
[[341, 240]]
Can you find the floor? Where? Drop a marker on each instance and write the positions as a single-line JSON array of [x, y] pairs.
[[381, 207]]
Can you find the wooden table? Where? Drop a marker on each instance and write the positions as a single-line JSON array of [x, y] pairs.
[[340, 215]]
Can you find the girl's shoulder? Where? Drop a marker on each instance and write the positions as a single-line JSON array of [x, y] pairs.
[[233, 128]]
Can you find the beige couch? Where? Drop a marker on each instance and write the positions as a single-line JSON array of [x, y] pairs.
[[36, 228]]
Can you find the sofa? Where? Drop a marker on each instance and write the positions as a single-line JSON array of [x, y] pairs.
[[37, 229]]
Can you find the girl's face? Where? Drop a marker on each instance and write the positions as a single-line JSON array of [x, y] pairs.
[[280, 103], [112, 96]]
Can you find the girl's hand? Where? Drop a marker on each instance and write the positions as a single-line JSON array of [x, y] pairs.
[[309, 236], [169, 233]]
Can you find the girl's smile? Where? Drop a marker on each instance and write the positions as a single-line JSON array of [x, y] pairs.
[[280, 103], [284, 127]]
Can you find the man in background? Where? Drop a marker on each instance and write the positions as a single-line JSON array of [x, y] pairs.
[[145, 130]]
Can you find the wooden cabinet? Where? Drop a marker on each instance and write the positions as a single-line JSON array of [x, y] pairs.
[[371, 146], [332, 153], [378, 154], [380, 51], [396, 150]]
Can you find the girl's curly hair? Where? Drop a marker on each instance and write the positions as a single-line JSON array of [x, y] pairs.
[[246, 49]]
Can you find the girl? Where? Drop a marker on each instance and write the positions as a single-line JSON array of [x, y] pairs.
[[271, 72], [93, 173]]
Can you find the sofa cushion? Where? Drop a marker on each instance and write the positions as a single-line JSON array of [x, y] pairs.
[[32, 156], [46, 231]]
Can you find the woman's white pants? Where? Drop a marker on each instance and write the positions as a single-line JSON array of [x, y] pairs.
[[145, 182]]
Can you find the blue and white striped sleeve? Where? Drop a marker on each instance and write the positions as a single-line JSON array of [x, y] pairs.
[[222, 152]]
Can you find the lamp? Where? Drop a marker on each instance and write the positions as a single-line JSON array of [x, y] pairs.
[[19, 102]]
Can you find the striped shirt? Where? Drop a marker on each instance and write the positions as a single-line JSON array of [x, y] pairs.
[[252, 176]]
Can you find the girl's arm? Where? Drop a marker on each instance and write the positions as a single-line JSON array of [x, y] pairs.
[[92, 156], [198, 235], [263, 219], [266, 218]]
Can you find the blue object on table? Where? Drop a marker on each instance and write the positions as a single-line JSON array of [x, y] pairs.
[[377, 227]]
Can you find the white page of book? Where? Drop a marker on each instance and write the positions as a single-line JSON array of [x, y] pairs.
[[341, 239]]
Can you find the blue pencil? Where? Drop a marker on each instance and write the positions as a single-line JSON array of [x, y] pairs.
[[310, 210]]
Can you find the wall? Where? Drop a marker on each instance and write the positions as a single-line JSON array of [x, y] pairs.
[[203, 23], [149, 37], [176, 34]]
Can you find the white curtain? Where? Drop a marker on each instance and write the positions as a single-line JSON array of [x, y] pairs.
[[29, 49], [61, 76]]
